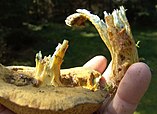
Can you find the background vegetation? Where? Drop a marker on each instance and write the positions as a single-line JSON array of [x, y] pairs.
[[27, 26]]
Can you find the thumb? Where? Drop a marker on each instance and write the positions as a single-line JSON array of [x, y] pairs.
[[131, 89]]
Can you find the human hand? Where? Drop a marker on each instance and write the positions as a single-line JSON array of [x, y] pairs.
[[131, 88]]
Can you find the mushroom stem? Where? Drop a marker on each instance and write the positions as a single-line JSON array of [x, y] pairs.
[[47, 71], [117, 36]]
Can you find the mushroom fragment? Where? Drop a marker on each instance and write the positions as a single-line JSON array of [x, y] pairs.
[[117, 36], [47, 70]]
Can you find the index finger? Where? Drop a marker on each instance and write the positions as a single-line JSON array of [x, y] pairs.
[[97, 63]]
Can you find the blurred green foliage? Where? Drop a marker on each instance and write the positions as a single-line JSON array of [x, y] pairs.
[[15, 12]]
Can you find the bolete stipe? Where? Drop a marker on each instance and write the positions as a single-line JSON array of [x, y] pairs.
[[47, 89]]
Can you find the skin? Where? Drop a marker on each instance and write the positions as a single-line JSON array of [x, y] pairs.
[[131, 88]]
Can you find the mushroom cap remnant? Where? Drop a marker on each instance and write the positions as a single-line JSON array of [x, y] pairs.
[[27, 99]]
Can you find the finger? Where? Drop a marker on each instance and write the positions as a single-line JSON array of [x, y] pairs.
[[107, 72], [131, 89], [4, 110], [97, 63], [1, 108]]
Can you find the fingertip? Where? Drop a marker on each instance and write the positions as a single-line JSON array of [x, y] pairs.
[[135, 83], [131, 89], [142, 70], [97, 63]]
